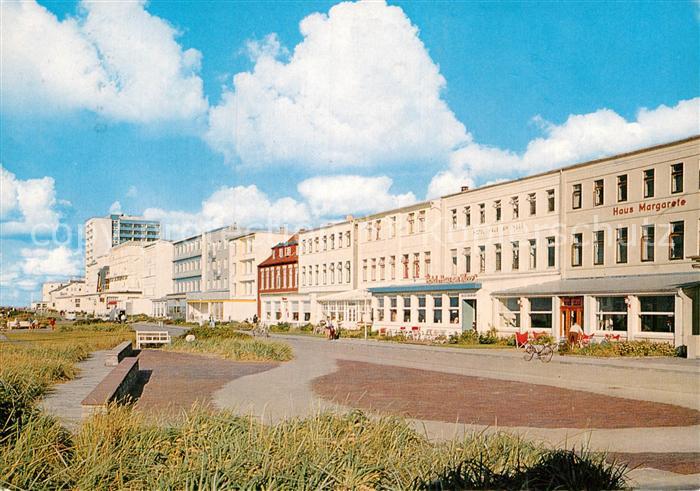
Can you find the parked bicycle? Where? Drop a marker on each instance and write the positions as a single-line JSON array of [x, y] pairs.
[[542, 352]]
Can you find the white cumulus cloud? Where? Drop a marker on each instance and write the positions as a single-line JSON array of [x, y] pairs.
[[27, 206], [360, 89], [113, 58], [246, 206], [335, 196], [60, 261], [581, 137]]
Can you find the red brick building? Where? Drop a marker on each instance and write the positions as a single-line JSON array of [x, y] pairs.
[[277, 279]]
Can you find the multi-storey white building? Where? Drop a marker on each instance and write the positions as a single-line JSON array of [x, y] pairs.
[[102, 233]]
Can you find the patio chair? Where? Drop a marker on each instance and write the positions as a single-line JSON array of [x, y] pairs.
[[585, 339], [521, 339], [415, 332]]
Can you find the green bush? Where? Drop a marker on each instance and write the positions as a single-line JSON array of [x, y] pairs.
[[281, 327], [219, 331], [621, 348]]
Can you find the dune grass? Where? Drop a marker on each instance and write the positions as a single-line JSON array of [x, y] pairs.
[[227, 342]]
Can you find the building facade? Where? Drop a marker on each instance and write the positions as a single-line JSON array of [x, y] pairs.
[[102, 233], [278, 289]]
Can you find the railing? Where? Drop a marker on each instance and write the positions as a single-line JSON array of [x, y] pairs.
[[152, 337]]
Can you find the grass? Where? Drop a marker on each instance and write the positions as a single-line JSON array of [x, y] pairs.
[[227, 342], [202, 448]]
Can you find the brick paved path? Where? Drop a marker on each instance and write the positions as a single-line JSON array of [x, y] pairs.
[[178, 380], [432, 395]]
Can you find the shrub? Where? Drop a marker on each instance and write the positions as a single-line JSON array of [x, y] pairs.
[[220, 331], [622, 348]]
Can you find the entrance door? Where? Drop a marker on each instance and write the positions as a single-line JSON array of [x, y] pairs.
[[571, 312], [468, 314]]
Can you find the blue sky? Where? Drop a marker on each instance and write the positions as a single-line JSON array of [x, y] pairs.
[[440, 93]]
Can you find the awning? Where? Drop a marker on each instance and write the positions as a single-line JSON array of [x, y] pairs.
[[629, 284], [431, 287], [350, 295]]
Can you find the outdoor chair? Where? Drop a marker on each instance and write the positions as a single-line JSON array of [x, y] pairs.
[[521, 339], [415, 332], [586, 339]]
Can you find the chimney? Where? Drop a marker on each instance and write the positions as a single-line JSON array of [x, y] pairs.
[[465, 188]]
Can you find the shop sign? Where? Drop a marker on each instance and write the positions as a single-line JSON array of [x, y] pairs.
[[649, 207], [462, 278]]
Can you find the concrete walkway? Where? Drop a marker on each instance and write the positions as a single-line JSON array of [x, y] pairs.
[[63, 400]]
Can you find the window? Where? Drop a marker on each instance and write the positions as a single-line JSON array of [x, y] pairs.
[[411, 222], [550, 200], [498, 256], [551, 252], [515, 203], [482, 213], [516, 255], [405, 266], [303, 276], [325, 277], [467, 253], [675, 244], [599, 192], [382, 268], [421, 308], [416, 265], [392, 267], [599, 247], [364, 270], [393, 309], [454, 219], [532, 243], [648, 243], [656, 313], [378, 230], [532, 198], [454, 310], [437, 309], [369, 231], [453, 256], [426, 261], [497, 205], [541, 312], [509, 312], [611, 314], [347, 239], [482, 259], [649, 183], [576, 197], [621, 245], [347, 272], [421, 221], [677, 178], [339, 272], [332, 274], [467, 216], [577, 250], [374, 269], [406, 309], [622, 188], [380, 309], [393, 227]]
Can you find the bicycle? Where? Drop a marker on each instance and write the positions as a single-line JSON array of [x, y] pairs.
[[543, 352]]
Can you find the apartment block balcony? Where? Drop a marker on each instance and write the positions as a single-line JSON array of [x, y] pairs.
[[192, 273]]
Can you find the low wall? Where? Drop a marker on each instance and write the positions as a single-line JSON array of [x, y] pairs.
[[115, 387], [118, 353]]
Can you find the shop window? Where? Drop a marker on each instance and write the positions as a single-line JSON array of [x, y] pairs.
[[380, 309], [577, 250], [675, 245], [648, 243], [622, 188], [551, 252], [516, 255], [677, 178], [454, 310], [393, 309], [611, 314], [649, 183], [599, 192], [657, 313], [551, 205], [599, 247], [576, 197], [509, 312], [437, 309], [498, 256], [421, 308], [621, 245], [406, 309], [497, 206], [541, 312]]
